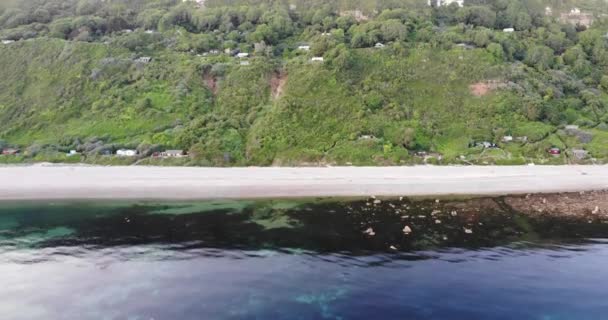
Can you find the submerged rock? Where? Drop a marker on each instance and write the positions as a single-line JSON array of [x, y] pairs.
[[370, 232], [407, 230]]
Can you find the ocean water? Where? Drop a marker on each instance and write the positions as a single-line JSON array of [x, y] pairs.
[[313, 259]]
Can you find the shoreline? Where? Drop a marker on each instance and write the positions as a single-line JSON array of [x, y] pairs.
[[76, 182]]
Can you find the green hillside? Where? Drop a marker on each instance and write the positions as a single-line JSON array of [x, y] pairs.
[[442, 81]]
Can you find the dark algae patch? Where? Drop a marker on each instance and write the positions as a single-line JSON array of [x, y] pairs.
[[355, 226]]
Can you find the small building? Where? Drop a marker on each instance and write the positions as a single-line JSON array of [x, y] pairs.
[[72, 153], [507, 139], [7, 41], [173, 154], [579, 154], [149, 31], [244, 63], [465, 46], [317, 59], [554, 151], [577, 17], [485, 144], [379, 45], [304, 47], [571, 127], [508, 30], [439, 3], [126, 153], [143, 59], [10, 151], [367, 137], [242, 55]]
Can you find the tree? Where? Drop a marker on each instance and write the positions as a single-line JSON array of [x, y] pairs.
[[393, 30], [477, 16], [496, 50], [540, 57]]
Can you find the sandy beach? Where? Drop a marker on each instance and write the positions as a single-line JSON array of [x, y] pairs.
[[91, 182]]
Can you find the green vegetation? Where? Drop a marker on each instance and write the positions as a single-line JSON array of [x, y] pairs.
[[442, 81]]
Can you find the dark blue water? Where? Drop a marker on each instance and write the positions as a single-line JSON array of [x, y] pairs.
[[275, 260]]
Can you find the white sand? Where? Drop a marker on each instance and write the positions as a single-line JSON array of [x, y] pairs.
[[90, 182]]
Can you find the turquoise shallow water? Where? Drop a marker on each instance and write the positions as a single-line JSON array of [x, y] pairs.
[[296, 260]]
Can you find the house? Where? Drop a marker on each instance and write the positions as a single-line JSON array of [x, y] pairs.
[[199, 3], [439, 3], [357, 14], [7, 41], [304, 47], [149, 31], [507, 139], [126, 153], [143, 59], [242, 55], [10, 151], [173, 154], [317, 59], [71, 153], [576, 17], [465, 46], [579, 154], [571, 127], [367, 137], [379, 45], [555, 151], [508, 30], [484, 144], [127, 30]]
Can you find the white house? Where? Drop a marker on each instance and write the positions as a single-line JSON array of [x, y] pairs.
[[126, 153], [317, 59], [508, 30], [507, 138], [143, 59], [173, 154], [439, 3], [304, 48], [242, 55], [7, 41], [379, 45]]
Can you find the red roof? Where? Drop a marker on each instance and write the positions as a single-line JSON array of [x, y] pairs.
[[555, 151]]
